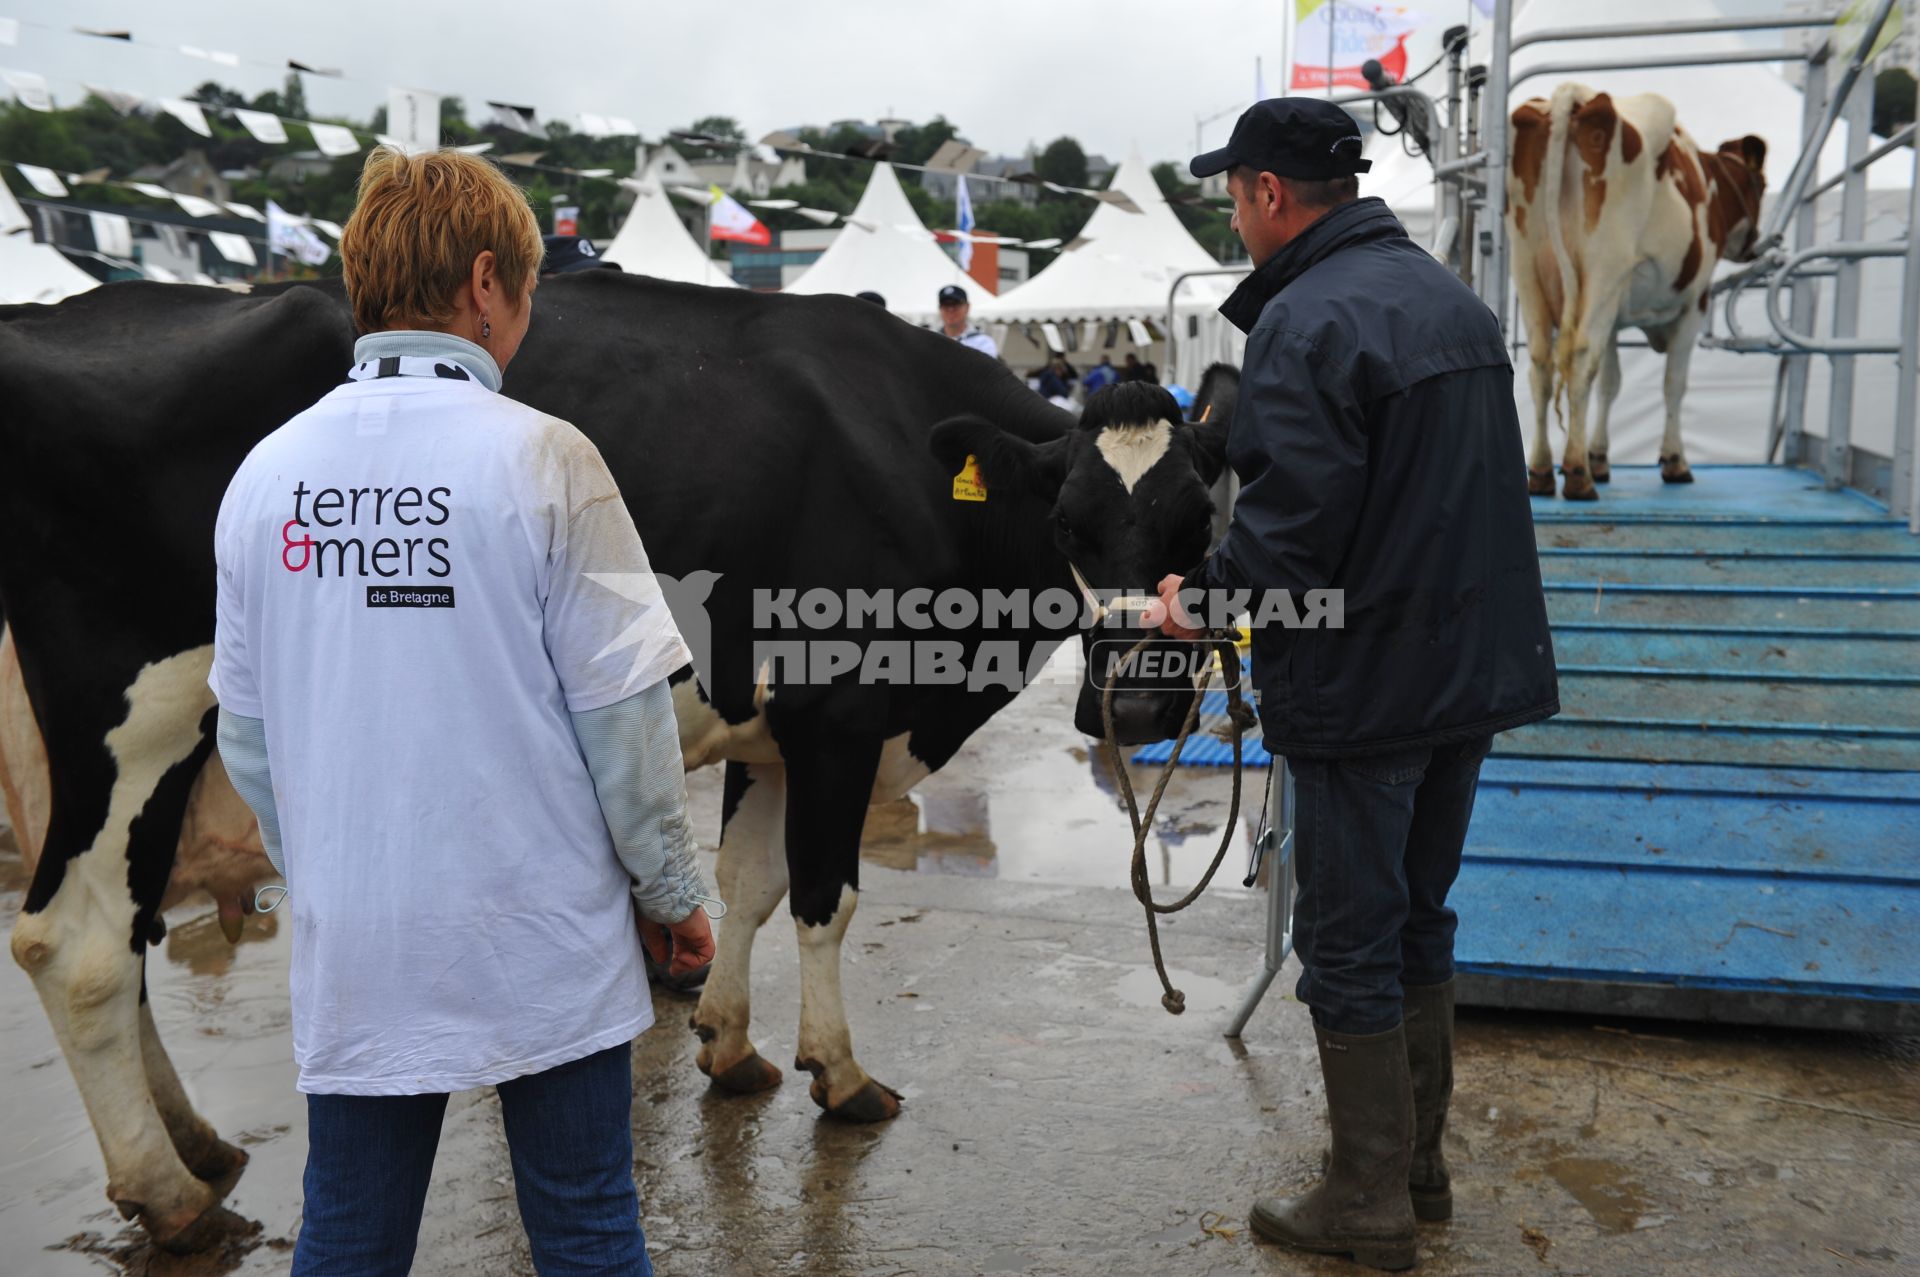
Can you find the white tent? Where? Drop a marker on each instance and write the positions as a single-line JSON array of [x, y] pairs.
[[884, 247], [1729, 395], [1123, 268], [1124, 271], [31, 272], [653, 241]]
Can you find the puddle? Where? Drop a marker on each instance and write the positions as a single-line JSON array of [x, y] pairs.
[[1617, 1203]]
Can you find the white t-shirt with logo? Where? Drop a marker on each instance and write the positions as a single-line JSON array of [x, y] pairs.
[[418, 581]]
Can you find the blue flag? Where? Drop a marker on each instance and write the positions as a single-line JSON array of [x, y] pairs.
[[963, 222]]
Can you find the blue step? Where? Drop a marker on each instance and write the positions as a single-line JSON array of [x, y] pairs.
[[1723, 823]]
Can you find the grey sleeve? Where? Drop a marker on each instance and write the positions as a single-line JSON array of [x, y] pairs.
[[632, 748], [243, 748]]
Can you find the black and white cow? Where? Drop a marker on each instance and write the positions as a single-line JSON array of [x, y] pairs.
[[761, 442]]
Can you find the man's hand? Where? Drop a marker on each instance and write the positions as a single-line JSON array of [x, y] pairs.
[[679, 948], [1173, 617]]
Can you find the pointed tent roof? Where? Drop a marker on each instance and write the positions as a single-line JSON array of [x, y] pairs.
[[653, 242], [883, 246], [1124, 269], [31, 272]]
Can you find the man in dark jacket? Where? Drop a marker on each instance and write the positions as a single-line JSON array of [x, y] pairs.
[[1379, 455]]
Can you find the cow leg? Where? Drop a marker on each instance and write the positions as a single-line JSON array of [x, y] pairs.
[[1540, 377], [752, 878], [832, 778], [82, 947], [1582, 368], [1609, 391], [1673, 453], [200, 1148]]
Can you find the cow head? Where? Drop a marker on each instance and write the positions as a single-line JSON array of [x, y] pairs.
[[1124, 496], [1739, 183]]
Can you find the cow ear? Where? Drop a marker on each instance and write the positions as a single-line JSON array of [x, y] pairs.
[[1754, 151], [1006, 460], [1208, 441]]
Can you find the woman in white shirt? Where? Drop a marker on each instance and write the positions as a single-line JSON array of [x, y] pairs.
[[459, 741]]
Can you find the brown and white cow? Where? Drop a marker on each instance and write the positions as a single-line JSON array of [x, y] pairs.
[[1617, 220]]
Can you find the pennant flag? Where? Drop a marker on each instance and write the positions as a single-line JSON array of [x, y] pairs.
[[235, 248], [729, 219], [105, 34], [124, 103], [188, 113], [331, 72], [413, 116], [247, 211], [264, 127], [9, 31], [149, 190], [112, 234], [475, 148], [43, 180], [331, 228], [521, 119], [194, 206], [29, 89], [591, 172], [621, 126], [291, 235], [333, 140], [825, 217], [963, 221], [158, 274]]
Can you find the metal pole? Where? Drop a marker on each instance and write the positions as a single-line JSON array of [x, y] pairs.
[[1471, 268], [1806, 295], [1276, 846], [1906, 455], [1493, 138], [1333, 16], [1686, 26], [1456, 203], [1837, 466]]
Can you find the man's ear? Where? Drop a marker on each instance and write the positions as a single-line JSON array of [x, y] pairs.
[[1006, 461], [1207, 440]]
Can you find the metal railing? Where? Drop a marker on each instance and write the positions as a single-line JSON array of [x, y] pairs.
[[1471, 187]]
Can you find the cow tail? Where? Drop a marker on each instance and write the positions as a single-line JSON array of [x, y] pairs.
[[1559, 134]]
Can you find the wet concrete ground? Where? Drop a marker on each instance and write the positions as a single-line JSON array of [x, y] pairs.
[[1057, 1121]]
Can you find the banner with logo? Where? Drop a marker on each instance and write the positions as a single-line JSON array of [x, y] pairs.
[[566, 219], [292, 236], [1333, 39]]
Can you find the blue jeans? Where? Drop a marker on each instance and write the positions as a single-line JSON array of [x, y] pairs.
[[369, 1158], [1377, 847]]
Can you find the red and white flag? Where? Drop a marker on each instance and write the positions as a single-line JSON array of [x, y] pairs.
[[727, 218]]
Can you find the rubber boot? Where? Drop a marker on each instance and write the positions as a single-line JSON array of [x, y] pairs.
[[1429, 1029], [1361, 1207]]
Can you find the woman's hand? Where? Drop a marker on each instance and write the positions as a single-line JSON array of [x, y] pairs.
[[679, 948]]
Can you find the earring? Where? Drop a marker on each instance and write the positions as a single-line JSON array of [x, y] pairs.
[[486, 329]]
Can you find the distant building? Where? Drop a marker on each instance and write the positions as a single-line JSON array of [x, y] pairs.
[[298, 166], [191, 174]]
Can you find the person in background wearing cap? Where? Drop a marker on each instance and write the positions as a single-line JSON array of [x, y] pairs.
[[954, 309], [569, 253], [1379, 455]]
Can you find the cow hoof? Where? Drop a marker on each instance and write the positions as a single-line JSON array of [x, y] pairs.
[[748, 1075], [1674, 471], [1539, 482], [204, 1231], [219, 1165], [1602, 472], [871, 1103], [1579, 485]]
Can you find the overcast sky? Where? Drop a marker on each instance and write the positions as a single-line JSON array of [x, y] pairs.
[[1109, 72]]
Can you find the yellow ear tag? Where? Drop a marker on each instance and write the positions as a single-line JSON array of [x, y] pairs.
[[968, 485]]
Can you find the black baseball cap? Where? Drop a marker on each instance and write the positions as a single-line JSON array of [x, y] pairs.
[[953, 295], [870, 296], [1303, 138], [569, 253]]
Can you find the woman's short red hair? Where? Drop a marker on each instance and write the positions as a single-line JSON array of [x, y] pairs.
[[419, 223]]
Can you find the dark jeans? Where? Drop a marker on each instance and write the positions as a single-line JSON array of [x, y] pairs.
[[369, 1158], [1377, 847]]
